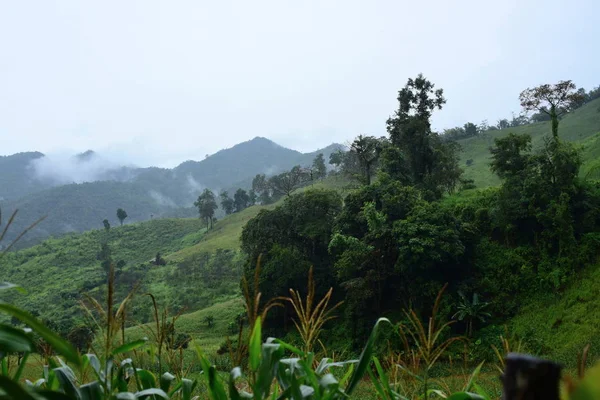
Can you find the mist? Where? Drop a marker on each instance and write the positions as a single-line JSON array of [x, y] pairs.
[[62, 168]]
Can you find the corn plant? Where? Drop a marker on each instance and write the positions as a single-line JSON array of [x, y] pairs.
[[254, 310], [509, 344], [108, 322], [428, 345], [281, 377], [311, 315]]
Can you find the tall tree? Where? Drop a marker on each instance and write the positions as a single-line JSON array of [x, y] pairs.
[[367, 150], [418, 156], [121, 215], [106, 225], [260, 186], [227, 203], [252, 197], [318, 167], [410, 127], [207, 205], [554, 100], [240, 200]]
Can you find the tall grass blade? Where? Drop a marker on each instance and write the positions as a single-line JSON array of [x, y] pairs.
[[365, 357]]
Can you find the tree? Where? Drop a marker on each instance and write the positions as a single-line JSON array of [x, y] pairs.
[[367, 150], [471, 129], [318, 167], [240, 200], [410, 128], [508, 158], [260, 186], [121, 215], [286, 183], [227, 203], [503, 124], [252, 197], [158, 260], [470, 311], [417, 155], [206, 205], [106, 225], [554, 100]]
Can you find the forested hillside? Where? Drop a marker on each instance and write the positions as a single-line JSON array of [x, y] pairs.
[[143, 192]]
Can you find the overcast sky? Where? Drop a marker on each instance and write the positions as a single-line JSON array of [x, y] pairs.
[[159, 82]]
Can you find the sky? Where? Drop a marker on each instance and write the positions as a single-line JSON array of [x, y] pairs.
[[160, 82]]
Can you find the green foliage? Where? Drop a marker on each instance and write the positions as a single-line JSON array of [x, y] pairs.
[[227, 203], [207, 205], [319, 169], [121, 215], [241, 200], [470, 310], [56, 271]]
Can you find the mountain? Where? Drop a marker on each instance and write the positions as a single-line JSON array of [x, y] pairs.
[[16, 175], [79, 192]]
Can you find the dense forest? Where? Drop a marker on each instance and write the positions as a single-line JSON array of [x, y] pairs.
[[413, 226]]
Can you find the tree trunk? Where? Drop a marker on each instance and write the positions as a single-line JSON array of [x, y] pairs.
[[554, 118]]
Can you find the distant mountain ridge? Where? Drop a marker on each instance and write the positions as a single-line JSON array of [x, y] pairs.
[[78, 193]]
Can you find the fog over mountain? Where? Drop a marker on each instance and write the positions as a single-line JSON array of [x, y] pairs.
[[77, 191]]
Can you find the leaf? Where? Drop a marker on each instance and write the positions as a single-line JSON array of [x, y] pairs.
[[66, 379], [365, 358], [473, 376], [15, 340], [465, 396], [61, 346], [151, 392], [187, 387], [166, 380], [130, 346], [255, 346], [94, 362], [7, 285], [49, 395], [217, 392], [126, 396], [91, 391], [146, 378], [14, 390], [481, 391]]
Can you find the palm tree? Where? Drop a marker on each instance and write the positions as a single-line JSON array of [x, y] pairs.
[[471, 310]]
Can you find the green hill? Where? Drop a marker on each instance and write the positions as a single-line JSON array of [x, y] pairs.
[[581, 126], [142, 192], [57, 271]]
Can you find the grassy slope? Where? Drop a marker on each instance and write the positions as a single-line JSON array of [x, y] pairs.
[[559, 325], [55, 271], [582, 126], [209, 339]]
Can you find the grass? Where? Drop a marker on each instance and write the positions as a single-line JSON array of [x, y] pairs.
[[559, 325], [582, 126], [224, 235], [55, 272]]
